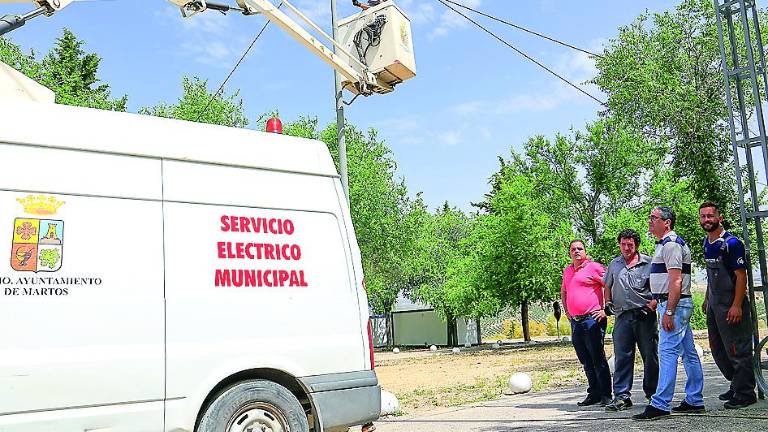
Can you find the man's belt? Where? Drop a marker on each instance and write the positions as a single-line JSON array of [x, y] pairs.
[[665, 297], [582, 317]]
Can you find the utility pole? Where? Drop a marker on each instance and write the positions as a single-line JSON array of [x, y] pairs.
[[340, 114]]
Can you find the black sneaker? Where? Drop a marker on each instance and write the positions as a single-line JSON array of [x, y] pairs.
[[618, 404], [686, 408], [727, 395], [737, 403], [590, 400], [651, 413]]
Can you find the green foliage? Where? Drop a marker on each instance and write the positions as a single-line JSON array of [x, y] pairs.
[[68, 70], [698, 317], [663, 76], [594, 179], [667, 190], [512, 255], [435, 241], [199, 105]]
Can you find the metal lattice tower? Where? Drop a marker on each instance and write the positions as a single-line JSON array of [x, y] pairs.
[[740, 42]]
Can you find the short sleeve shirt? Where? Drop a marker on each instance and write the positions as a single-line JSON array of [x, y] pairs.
[[671, 253], [630, 286], [584, 288], [734, 258]]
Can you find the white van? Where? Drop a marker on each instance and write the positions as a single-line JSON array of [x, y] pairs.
[[161, 275]]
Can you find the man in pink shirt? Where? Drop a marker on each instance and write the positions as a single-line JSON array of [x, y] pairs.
[[582, 296]]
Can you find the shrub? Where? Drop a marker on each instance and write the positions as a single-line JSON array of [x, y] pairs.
[[565, 326], [508, 329], [698, 318], [535, 327]]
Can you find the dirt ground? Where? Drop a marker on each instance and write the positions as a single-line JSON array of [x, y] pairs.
[[423, 380], [427, 381]]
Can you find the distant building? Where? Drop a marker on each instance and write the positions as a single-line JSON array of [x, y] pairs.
[[416, 324]]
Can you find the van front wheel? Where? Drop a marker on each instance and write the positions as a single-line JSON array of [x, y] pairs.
[[254, 406]]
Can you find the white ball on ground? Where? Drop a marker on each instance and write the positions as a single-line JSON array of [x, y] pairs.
[[520, 383], [389, 403], [433, 348], [396, 350], [456, 350], [612, 364]]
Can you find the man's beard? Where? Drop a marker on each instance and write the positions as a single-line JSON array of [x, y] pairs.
[[714, 226]]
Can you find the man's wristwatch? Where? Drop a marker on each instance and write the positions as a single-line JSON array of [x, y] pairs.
[[669, 312]]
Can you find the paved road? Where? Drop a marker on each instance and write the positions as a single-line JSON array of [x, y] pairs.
[[557, 411]]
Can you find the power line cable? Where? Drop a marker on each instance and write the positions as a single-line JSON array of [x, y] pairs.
[[519, 27], [531, 59], [248, 50]]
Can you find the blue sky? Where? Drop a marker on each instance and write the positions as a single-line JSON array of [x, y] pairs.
[[472, 100]]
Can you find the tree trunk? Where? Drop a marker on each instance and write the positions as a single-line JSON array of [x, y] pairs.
[[524, 315], [390, 329]]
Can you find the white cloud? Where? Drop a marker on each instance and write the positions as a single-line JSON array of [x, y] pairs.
[[208, 38], [420, 13], [450, 138], [575, 66], [317, 11], [469, 107], [211, 52], [404, 125], [450, 20]]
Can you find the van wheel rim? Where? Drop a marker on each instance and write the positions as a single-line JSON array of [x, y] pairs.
[[258, 417]]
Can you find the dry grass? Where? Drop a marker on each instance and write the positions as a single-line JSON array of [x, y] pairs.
[[423, 381]]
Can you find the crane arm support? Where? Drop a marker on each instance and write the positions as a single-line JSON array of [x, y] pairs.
[[350, 74]]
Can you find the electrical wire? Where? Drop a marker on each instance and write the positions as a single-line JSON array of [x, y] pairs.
[[519, 27], [529, 58], [221, 87]]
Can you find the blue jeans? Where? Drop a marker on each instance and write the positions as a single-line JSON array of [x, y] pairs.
[[672, 345], [588, 337]]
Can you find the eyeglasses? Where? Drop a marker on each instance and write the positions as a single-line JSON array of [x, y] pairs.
[[654, 218]]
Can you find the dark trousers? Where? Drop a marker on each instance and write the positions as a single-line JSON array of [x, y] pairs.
[[588, 338], [633, 328], [731, 347]]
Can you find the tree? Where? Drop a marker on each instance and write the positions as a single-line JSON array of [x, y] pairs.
[[199, 105], [590, 176], [519, 249], [663, 76], [434, 241], [68, 70]]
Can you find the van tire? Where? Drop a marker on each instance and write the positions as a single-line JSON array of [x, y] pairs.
[[259, 402]]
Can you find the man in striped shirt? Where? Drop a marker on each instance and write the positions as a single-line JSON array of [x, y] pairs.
[[671, 288]]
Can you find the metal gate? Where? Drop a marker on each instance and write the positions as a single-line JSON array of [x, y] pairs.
[[743, 61]]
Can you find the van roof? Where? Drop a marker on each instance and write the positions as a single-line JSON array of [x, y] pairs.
[[85, 129]]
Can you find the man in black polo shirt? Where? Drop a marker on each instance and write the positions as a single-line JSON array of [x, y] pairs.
[[628, 295]]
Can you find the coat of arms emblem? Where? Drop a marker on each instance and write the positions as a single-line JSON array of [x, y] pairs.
[[38, 243]]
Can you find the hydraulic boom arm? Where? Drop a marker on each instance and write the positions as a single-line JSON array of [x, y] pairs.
[[356, 77]]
